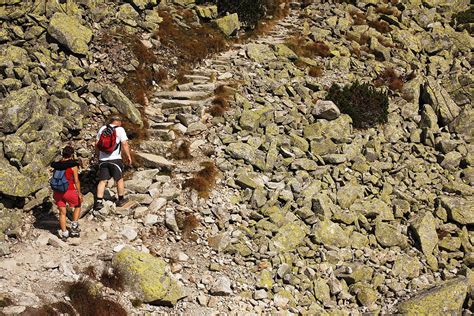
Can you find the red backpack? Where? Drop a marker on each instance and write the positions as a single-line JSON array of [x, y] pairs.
[[107, 142]]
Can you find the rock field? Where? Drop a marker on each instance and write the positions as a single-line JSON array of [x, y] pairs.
[[253, 193]]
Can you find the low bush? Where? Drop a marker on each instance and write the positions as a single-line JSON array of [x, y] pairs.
[[464, 17], [362, 102]]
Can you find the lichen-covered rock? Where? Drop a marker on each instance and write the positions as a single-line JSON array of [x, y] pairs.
[[229, 24], [13, 55], [207, 12], [284, 51], [348, 194], [330, 234], [464, 123], [114, 97], [325, 110], [147, 277], [260, 53], [388, 235], [447, 297], [290, 236], [69, 31], [18, 107], [436, 96], [10, 220], [460, 210], [424, 227]]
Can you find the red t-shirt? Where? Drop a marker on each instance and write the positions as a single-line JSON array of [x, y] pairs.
[[70, 178]]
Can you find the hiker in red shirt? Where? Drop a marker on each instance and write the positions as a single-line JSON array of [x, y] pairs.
[[71, 194]]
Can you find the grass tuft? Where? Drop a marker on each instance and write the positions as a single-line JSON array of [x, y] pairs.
[[112, 279], [187, 223], [181, 150], [86, 302], [315, 71], [204, 180], [390, 78]]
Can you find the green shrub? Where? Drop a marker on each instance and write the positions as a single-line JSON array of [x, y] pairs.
[[464, 17], [250, 12], [362, 102]]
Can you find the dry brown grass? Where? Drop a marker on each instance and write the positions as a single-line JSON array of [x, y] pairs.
[[86, 303], [190, 46], [387, 10], [391, 79], [204, 180], [112, 279], [359, 18], [181, 150], [315, 71], [187, 223], [381, 26], [309, 49], [218, 107]]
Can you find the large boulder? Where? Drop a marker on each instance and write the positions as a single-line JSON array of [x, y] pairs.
[[114, 97], [229, 24], [69, 31], [325, 110], [147, 277], [18, 107], [10, 221], [445, 298], [389, 235], [435, 95]]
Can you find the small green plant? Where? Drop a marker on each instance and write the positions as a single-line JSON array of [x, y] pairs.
[[362, 102]]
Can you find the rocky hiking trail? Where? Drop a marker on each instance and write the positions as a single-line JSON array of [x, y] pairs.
[[38, 267]]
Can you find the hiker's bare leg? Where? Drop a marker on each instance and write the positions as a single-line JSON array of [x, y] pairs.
[[77, 212], [101, 189], [62, 218], [121, 187]]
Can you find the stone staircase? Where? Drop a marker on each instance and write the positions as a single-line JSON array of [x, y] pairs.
[[179, 112]]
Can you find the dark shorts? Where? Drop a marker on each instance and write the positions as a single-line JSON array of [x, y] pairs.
[[111, 169]]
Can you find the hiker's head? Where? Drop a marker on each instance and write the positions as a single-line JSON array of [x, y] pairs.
[[116, 120], [68, 152]]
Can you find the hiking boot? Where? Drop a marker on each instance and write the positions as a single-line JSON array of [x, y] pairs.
[[75, 230], [121, 202], [64, 235], [98, 206]]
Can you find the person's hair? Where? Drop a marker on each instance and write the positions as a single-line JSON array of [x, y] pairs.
[[113, 119], [68, 151]]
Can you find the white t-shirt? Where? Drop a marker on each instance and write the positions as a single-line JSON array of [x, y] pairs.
[[121, 137]]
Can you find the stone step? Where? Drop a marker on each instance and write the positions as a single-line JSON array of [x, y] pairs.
[[183, 95], [197, 78], [154, 161], [168, 104]]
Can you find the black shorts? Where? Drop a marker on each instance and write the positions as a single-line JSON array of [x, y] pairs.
[[110, 169]]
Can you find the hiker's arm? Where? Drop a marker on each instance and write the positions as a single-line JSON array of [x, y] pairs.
[[126, 150], [77, 182]]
